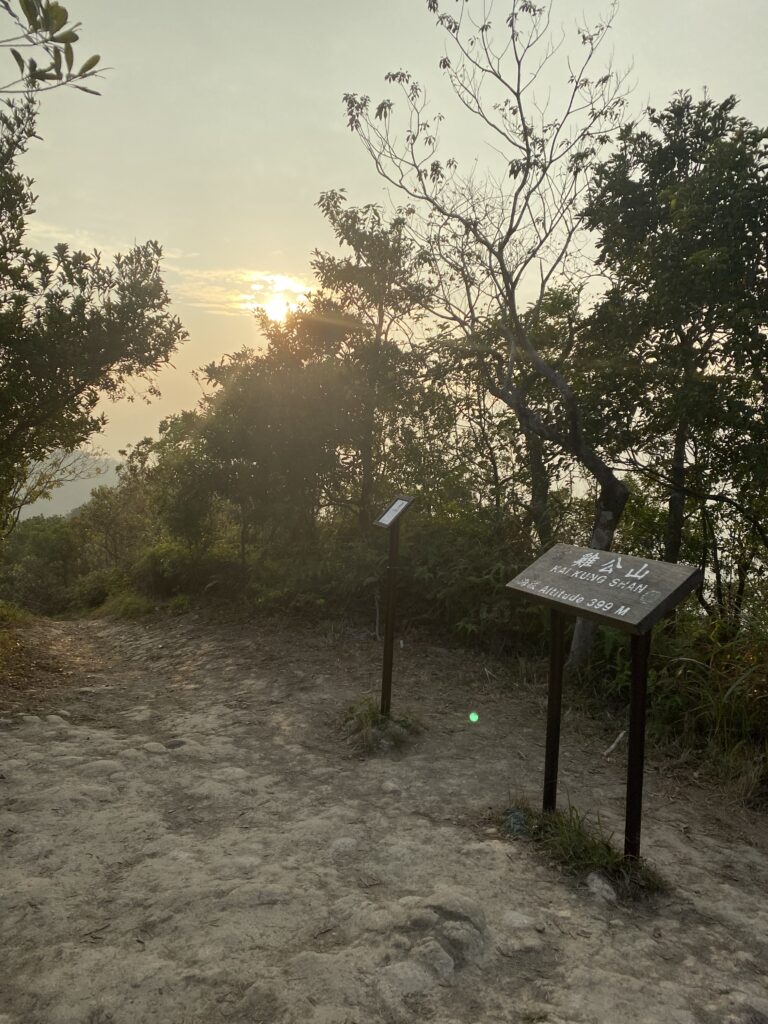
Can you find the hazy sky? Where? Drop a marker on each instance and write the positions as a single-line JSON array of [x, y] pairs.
[[219, 125]]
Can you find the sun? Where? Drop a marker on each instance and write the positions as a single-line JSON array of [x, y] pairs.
[[277, 306], [277, 295]]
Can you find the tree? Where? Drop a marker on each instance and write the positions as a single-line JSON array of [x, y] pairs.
[[42, 29], [500, 239], [490, 236], [270, 433], [681, 209], [371, 294], [72, 329], [55, 470]]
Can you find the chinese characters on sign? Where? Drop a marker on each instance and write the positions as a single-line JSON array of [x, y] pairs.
[[622, 591], [632, 593]]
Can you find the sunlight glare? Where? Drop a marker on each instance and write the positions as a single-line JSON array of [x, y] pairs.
[[275, 294]]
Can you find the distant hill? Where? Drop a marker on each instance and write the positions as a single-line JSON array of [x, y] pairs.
[[72, 495]]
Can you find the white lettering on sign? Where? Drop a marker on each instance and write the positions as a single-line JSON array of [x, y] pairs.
[[633, 588], [638, 574], [614, 563], [588, 559], [394, 510], [594, 603], [632, 591], [561, 595]]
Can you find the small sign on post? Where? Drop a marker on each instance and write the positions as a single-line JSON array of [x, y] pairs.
[[628, 593], [390, 520]]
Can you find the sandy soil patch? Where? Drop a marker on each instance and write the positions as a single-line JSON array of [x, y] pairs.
[[185, 840]]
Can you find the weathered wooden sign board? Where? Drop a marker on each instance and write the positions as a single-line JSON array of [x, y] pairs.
[[619, 590], [390, 520], [622, 591], [393, 511]]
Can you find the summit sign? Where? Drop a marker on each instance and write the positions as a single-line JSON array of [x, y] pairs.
[[629, 593]]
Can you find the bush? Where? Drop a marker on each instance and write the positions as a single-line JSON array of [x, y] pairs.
[[11, 614], [40, 561], [92, 590], [169, 569], [126, 605], [454, 577], [707, 694]]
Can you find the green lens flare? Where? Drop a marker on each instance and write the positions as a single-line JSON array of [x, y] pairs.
[[473, 716]]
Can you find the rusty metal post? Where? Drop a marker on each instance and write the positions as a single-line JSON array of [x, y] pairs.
[[640, 650], [554, 704], [389, 626]]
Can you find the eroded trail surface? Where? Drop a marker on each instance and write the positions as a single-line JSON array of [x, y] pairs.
[[186, 839]]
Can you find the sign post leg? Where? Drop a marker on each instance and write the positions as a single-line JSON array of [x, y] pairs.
[[389, 626], [641, 647], [554, 704]]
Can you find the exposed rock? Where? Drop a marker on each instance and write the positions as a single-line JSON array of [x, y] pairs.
[[101, 768], [432, 955], [229, 773], [598, 886], [69, 761], [343, 846], [404, 979], [521, 933]]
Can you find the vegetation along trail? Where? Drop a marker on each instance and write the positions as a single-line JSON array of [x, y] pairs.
[[188, 839]]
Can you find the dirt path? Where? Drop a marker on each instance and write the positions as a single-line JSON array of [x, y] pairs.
[[185, 840]]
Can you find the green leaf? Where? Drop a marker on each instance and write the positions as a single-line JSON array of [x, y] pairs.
[[56, 18], [69, 55], [84, 88], [89, 65], [29, 7], [66, 37], [57, 62], [20, 61]]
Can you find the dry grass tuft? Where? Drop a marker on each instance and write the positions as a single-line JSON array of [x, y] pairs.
[[581, 848], [370, 732]]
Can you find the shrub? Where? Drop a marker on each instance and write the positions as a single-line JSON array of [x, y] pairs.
[[169, 569], [11, 614], [707, 694], [92, 589], [126, 605]]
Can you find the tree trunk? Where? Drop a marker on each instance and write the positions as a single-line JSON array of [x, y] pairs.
[[673, 538], [613, 492], [737, 603], [368, 441], [540, 511], [243, 534], [610, 504], [365, 506]]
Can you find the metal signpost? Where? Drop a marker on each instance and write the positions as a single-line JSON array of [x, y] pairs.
[[390, 520], [629, 593]]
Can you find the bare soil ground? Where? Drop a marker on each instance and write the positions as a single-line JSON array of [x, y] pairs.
[[186, 840]]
